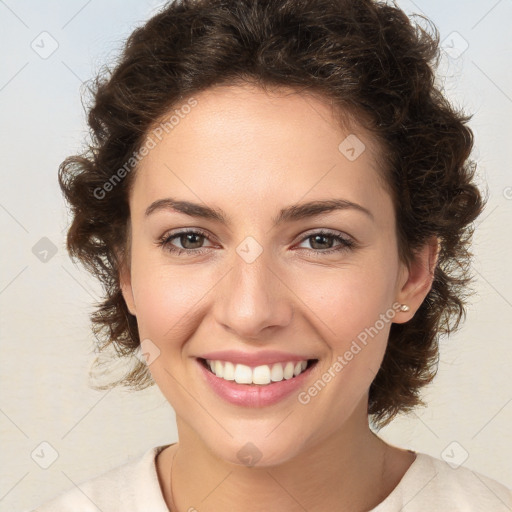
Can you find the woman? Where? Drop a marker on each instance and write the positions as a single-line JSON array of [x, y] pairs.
[[279, 204]]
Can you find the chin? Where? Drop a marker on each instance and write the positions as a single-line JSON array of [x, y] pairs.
[[257, 450]]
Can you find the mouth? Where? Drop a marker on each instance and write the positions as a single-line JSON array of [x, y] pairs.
[[247, 386], [261, 375]]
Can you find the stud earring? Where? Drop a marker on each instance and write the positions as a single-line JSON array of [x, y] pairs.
[[404, 308]]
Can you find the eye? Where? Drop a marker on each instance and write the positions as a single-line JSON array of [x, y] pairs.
[[322, 242], [191, 242]]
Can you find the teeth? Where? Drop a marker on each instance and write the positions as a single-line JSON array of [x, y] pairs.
[[261, 375], [229, 371], [276, 374], [243, 374], [219, 370], [288, 371]]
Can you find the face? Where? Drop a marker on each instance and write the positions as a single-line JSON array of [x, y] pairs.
[[260, 281]]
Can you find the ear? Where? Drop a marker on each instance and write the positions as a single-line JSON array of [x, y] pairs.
[[416, 280], [125, 282]]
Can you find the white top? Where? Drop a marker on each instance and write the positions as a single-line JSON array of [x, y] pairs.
[[429, 484]]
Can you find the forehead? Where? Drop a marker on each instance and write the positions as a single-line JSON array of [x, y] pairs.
[[249, 146]]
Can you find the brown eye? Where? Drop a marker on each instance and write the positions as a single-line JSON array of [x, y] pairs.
[[191, 242], [325, 243], [321, 241]]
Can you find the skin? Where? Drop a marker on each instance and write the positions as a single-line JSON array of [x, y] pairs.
[[251, 153]]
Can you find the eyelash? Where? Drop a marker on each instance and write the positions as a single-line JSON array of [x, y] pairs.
[[165, 242]]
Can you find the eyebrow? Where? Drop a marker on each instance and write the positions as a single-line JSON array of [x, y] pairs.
[[289, 214]]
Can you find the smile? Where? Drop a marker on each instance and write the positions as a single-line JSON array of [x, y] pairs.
[[261, 375], [256, 386]]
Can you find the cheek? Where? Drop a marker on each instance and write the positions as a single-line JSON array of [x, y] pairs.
[[165, 295], [345, 301], [352, 310], [168, 302]]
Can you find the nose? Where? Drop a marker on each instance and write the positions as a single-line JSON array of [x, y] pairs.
[[253, 300]]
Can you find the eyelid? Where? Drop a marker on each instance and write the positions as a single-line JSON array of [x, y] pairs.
[[345, 241], [175, 233], [301, 238], [188, 229], [326, 231]]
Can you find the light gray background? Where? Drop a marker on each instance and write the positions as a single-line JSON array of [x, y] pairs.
[[45, 335]]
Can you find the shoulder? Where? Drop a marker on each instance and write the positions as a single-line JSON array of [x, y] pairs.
[[432, 484], [127, 488]]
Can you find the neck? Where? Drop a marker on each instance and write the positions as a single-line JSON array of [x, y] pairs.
[[351, 470]]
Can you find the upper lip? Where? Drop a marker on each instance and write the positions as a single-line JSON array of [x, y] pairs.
[[254, 359]]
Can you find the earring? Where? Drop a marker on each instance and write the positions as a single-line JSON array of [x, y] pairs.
[[404, 308]]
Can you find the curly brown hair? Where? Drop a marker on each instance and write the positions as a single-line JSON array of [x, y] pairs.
[[367, 57]]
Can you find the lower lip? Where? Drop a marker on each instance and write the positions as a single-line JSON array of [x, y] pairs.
[[253, 395]]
